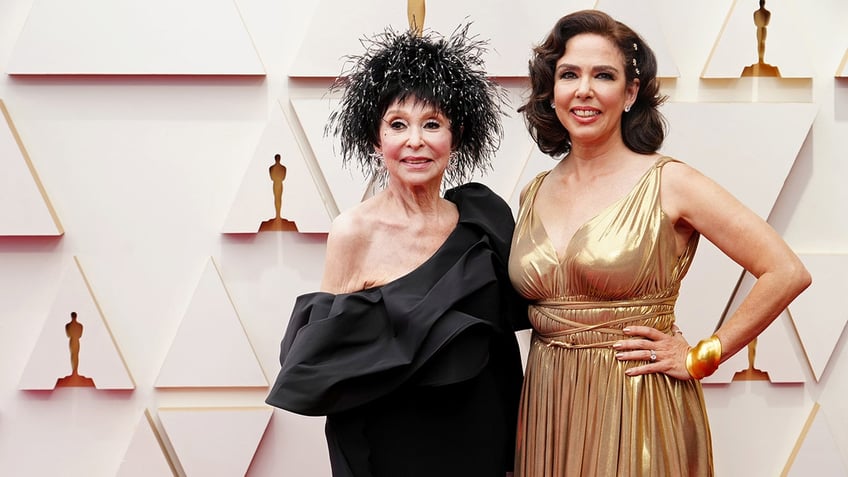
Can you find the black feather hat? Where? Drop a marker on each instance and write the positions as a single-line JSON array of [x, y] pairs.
[[445, 72]]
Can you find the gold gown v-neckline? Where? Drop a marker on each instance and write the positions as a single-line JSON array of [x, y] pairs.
[[535, 217]]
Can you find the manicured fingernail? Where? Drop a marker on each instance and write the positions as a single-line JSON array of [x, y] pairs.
[[616, 345], [626, 330], [618, 355]]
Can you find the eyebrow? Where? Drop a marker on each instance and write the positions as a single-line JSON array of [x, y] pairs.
[[569, 66], [428, 113]]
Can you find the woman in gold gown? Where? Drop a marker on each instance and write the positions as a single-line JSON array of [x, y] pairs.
[[601, 244]]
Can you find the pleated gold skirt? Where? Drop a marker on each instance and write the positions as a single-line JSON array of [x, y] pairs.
[[580, 415]]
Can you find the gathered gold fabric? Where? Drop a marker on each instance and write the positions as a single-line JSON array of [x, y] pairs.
[[703, 359], [580, 415]]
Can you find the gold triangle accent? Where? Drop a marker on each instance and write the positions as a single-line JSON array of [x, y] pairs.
[[31, 168], [800, 442]]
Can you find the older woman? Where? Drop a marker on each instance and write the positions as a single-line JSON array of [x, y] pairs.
[[601, 245], [408, 347]]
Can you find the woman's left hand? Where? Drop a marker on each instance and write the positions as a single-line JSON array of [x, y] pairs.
[[663, 353]]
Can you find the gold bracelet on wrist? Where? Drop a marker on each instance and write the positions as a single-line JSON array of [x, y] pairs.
[[703, 359]]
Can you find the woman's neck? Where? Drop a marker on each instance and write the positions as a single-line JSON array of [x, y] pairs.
[[423, 201]]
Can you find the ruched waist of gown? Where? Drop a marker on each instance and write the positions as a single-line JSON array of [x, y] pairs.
[[575, 334]]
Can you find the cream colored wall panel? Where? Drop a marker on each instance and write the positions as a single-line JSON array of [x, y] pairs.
[[215, 442], [508, 163], [134, 37], [211, 348], [749, 149], [754, 425], [25, 208], [815, 453], [68, 432], [842, 71], [738, 43], [301, 204], [348, 185], [819, 313], [775, 356], [88, 342], [146, 456], [511, 28], [641, 18], [535, 163], [706, 291]]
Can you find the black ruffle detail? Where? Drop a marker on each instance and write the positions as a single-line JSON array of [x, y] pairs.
[[343, 351]]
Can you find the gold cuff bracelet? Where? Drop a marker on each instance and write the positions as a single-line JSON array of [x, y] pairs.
[[703, 359]]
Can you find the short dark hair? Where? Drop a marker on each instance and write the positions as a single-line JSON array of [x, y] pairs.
[[643, 128]]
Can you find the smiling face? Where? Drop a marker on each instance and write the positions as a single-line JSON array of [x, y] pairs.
[[591, 90], [415, 139]]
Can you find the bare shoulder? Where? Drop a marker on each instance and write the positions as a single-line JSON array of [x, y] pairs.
[[527, 186], [677, 168], [346, 242], [681, 184], [680, 178], [346, 226], [676, 174]]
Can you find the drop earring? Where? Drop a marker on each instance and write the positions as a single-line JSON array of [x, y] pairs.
[[452, 160]]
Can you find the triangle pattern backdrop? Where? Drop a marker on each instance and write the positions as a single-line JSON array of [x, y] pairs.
[[514, 151], [25, 209], [820, 332], [301, 200], [211, 348], [510, 28], [214, 442], [99, 357], [510, 33], [348, 184], [146, 456], [769, 351], [134, 37], [641, 18], [759, 155], [736, 46], [816, 452]]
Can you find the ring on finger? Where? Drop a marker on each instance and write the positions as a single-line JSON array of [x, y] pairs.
[[653, 355]]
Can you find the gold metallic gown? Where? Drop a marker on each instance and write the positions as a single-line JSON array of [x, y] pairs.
[[580, 415]]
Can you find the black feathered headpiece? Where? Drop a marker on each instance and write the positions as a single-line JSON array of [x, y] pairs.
[[447, 73]]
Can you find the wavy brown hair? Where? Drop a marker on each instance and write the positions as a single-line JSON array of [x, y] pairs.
[[643, 128]]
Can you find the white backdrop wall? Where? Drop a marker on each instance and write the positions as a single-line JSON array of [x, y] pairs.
[[144, 167]]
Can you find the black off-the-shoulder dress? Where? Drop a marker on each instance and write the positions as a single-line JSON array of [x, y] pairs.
[[420, 376]]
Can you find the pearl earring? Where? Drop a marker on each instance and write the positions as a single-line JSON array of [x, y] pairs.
[[627, 109], [553, 106]]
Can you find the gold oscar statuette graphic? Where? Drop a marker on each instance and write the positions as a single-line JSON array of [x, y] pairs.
[[415, 10], [751, 373], [73, 329], [277, 171], [761, 68]]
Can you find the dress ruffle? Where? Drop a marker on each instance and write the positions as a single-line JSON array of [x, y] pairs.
[[343, 351]]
